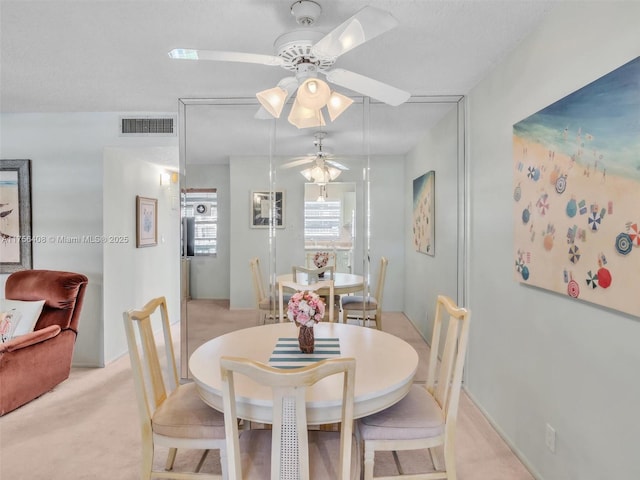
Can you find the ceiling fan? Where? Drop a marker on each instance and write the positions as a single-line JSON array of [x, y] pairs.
[[307, 53], [323, 167]]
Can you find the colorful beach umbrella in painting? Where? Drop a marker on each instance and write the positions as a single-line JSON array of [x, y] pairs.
[[573, 289], [561, 184], [543, 204], [525, 273], [592, 279], [530, 171], [526, 214], [519, 265], [623, 243], [572, 208], [533, 173], [634, 234], [604, 277], [594, 221], [574, 254]]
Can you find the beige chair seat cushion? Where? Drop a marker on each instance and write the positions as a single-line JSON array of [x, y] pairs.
[[417, 415], [324, 452], [357, 302], [185, 415]]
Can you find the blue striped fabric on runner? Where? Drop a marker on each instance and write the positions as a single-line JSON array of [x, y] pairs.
[[287, 354]]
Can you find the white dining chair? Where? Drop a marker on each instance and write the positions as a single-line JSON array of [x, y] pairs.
[[265, 303], [171, 414], [331, 259], [312, 274], [285, 287], [369, 307], [289, 450], [426, 417]]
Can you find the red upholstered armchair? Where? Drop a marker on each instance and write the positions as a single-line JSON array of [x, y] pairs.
[[34, 363]]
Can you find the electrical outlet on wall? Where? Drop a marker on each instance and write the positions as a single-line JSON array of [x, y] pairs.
[[550, 438]]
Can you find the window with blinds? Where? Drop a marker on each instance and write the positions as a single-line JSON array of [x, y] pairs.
[[322, 220], [200, 221]]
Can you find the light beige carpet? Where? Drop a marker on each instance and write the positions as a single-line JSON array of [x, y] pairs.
[[87, 427]]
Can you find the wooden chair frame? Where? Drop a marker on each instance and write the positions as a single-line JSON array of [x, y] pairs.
[[289, 413], [331, 262], [151, 392], [443, 384], [264, 303], [368, 313], [284, 285]]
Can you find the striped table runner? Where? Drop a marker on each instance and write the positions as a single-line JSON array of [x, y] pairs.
[[287, 354]]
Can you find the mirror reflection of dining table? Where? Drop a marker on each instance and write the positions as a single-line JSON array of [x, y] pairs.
[[343, 283], [385, 367]]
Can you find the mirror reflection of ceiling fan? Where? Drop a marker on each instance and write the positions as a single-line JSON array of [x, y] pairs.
[[323, 168], [307, 53]]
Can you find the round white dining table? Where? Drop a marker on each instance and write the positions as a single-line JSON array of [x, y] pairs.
[[385, 366], [343, 283]]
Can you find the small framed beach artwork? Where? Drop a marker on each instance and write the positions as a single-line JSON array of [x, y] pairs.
[[424, 225], [146, 221], [15, 215], [576, 193], [264, 206]]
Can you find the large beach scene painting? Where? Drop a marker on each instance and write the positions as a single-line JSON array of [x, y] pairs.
[[577, 193]]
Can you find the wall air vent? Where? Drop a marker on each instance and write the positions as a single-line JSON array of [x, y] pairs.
[[143, 126]]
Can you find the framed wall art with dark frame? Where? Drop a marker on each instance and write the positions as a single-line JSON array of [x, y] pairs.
[[15, 215], [146, 221], [261, 207]]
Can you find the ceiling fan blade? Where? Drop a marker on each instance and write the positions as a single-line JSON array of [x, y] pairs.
[[367, 86], [366, 24], [222, 56], [297, 163], [290, 84], [333, 163]]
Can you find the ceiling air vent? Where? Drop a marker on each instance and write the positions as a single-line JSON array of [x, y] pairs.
[[141, 126]]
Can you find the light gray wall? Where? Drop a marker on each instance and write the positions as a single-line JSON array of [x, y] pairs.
[[209, 276], [427, 276], [69, 199], [536, 357], [133, 276]]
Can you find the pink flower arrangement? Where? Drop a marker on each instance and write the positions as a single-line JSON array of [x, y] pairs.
[[320, 259], [305, 308]]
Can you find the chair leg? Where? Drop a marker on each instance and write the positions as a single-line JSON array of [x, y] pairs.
[[171, 458], [435, 459], [450, 460], [223, 463], [201, 462], [369, 454], [146, 465], [397, 462]]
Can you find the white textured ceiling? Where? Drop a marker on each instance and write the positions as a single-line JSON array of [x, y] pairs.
[[108, 55]]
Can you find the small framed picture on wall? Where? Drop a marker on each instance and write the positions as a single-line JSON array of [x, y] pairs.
[[146, 221], [265, 205]]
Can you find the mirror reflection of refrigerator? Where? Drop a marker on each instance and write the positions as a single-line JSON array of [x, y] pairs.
[[188, 236]]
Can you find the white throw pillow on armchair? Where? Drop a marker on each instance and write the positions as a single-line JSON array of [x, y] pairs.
[[29, 312]]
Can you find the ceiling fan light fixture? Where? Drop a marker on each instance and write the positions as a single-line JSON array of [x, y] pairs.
[[337, 104], [320, 175], [303, 117], [313, 93], [333, 172], [306, 173], [273, 100]]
